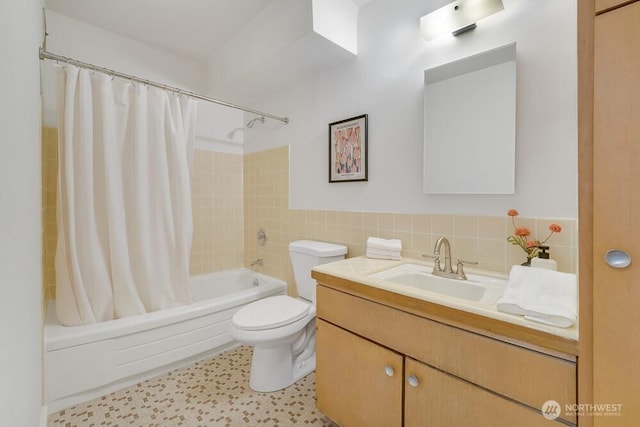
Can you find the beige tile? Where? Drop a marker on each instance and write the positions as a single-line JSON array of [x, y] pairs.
[[464, 248], [490, 227], [421, 223], [385, 222], [465, 226], [370, 221], [442, 225], [422, 243], [402, 222], [356, 219], [492, 251]]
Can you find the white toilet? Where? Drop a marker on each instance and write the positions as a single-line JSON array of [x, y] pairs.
[[282, 328]]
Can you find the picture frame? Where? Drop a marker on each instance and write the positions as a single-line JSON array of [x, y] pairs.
[[348, 149]]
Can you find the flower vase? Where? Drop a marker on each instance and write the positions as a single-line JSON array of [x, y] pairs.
[[528, 262]]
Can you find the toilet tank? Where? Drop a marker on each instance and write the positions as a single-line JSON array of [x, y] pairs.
[[306, 254]]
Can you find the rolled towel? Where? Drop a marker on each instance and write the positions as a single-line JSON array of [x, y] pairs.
[[544, 296], [390, 244], [383, 254]]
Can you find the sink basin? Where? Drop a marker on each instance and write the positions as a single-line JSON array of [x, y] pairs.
[[477, 288]]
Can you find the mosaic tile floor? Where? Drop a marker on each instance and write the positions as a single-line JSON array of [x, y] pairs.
[[213, 392]]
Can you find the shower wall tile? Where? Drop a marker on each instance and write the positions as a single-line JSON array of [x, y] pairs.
[[49, 194], [218, 225]]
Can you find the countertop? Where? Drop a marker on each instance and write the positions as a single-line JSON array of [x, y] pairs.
[[353, 275]]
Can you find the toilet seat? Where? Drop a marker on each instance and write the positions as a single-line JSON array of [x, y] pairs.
[[269, 313]]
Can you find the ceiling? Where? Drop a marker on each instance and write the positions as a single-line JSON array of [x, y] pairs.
[[191, 28]]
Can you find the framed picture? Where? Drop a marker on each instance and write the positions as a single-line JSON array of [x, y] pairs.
[[348, 150]]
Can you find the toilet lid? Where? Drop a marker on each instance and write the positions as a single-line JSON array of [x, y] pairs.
[[270, 312]]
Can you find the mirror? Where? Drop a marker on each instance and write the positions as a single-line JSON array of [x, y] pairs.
[[469, 124]]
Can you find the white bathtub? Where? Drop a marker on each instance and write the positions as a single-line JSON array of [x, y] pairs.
[[84, 362]]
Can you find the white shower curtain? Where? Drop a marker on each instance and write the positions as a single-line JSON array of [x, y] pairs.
[[124, 198]]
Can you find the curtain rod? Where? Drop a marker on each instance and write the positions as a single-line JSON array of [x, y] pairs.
[[48, 55]]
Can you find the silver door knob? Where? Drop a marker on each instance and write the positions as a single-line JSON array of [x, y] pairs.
[[617, 258], [389, 371]]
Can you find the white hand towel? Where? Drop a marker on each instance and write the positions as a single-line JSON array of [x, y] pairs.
[[383, 254], [544, 296], [390, 244]]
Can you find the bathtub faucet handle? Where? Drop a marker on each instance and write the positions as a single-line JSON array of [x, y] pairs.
[[258, 261]]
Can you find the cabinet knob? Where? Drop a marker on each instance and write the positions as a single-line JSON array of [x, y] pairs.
[[389, 371], [617, 258], [413, 381]]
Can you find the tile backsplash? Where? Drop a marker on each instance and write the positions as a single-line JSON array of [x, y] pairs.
[[473, 238]]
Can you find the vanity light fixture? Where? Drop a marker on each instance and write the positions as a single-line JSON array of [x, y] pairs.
[[457, 17]]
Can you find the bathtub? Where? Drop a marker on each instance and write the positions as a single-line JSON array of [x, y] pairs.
[[84, 362]]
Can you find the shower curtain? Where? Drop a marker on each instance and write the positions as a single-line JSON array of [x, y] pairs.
[[124, 197]]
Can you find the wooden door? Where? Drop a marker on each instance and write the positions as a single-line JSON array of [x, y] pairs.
[[358, 382], [616, 214], [440, 399]]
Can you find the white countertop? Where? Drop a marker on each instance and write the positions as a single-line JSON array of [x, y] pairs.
[[359, 269]]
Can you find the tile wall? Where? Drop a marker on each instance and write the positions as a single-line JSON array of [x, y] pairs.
[[234, 196], [475, 238], [218, 227]]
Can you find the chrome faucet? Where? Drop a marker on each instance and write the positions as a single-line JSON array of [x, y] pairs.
[[448, 270], [258, 261]]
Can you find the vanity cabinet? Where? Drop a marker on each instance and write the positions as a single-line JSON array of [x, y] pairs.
[[362, 383], [381, 365]]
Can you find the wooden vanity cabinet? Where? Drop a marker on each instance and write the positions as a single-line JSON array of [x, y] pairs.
[[381, 366]]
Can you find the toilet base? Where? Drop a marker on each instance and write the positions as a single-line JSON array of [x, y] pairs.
[[272, 369]]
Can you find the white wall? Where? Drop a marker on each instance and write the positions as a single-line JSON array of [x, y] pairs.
[[78, 40], [20, 215], [385, 81]]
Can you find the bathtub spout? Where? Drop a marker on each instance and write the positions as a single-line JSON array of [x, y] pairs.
[[258, 261]]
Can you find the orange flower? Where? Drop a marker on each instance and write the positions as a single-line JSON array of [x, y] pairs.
[[519, 237], [555, 228]]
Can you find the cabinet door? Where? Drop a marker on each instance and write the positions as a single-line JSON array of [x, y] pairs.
[[616, 214], [358, 383], [434, 398]]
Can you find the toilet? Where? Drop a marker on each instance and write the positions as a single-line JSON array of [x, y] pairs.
[[281, 328]]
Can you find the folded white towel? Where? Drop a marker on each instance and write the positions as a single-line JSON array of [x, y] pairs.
[[390, 244], [383, 254], [544, 296]]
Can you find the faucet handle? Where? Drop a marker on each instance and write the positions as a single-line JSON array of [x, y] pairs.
[[460, 269], [436, 261]]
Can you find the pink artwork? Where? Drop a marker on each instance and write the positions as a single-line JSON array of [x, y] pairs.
[[348, 150]]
